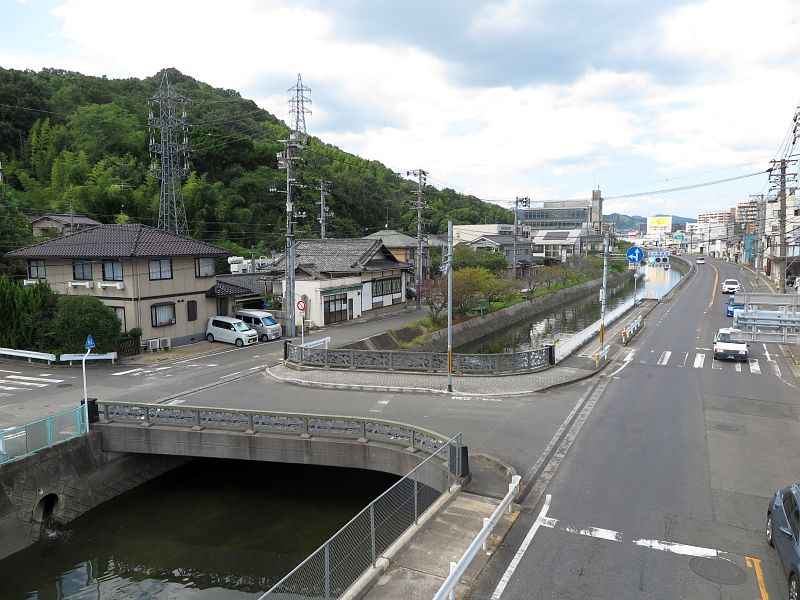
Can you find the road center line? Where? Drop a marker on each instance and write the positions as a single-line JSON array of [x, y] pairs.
[[512, 566]]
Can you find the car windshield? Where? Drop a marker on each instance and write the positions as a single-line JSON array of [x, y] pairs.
[[240, 326], [268, 321], [731, 282], [724, 337]]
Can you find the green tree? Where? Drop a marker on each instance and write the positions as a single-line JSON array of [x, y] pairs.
[[80, 316], [466, 257]]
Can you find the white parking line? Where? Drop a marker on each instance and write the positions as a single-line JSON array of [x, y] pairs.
[[754, 368], [512, 566], [27, 383], [22, 378], [128, 371], [664, 357], [699, 359]]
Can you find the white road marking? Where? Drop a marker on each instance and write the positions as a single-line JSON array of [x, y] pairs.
[[162, 368], [769, 358], [716, 364], [512, 566], [239, 372], [28, 383], [777, 369], [699, 359], [5, 371], [664, 357], [212, 365], [629, 358], [685, 358], [22, 378], [174, 402], [128, 371], [9, 388], [479, 398], [597, 532], [754, 368], [380, 404], [678, 548], [738, 366]]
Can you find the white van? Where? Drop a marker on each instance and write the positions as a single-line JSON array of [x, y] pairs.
[[231, 331], [262, 321]]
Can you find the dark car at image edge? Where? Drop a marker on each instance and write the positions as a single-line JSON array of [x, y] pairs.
[[783, 532]]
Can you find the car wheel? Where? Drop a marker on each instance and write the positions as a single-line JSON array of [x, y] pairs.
[[768, 531], [264, 337], [210, 337], [239, 342], [793, 587]]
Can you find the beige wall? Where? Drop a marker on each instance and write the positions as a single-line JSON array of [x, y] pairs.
[[140, 293]]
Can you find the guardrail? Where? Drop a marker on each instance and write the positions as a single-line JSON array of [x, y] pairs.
[[252, 421], [112, 356], [419, 362], [18, 442], [631, 329], [341, 561], [29, 354], [564, 349], [317, 343], [458, 569]]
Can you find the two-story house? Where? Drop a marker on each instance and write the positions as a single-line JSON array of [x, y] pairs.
[[61, 224], [153, 279]]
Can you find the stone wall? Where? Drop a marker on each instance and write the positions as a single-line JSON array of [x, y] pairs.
[[479, 327], [72, 478]]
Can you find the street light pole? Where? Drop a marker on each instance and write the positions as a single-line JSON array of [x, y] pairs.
[[449, 306], [603, 294]]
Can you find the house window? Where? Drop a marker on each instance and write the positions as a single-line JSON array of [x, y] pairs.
[[112, 270], [204, 267], [36, 269], [161, 269], [162, 314], [120, 312], [385, 287], [82, 270], [191, 310]]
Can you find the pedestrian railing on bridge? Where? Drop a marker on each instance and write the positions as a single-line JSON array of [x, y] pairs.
[[568, 346], [419, 362], [20, 441]]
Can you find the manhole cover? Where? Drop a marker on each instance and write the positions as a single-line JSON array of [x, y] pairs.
[[64, 385], [726, 427], [718, 570]]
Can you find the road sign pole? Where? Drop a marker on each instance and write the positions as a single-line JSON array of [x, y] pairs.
[[85, 393]]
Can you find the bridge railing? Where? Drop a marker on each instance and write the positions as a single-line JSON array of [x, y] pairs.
[[254, 421], [568, 346], [336, 565], [419, 362], [17, 442]]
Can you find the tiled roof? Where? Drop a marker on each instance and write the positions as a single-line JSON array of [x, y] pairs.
[[393, 239], [254, 283], [348, 255], [64, 219], [119, 241]]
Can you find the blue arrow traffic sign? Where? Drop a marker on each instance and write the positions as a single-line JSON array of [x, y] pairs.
[[89, 342], [634, 254]]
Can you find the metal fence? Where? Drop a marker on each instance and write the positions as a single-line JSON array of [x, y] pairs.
[[17, 442], [571, 344], [419, 362], [338, 563]]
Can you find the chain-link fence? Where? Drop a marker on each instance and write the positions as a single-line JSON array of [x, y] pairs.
[[339, 562], [16, 442]]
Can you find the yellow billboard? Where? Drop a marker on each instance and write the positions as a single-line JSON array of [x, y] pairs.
[[659, 225]]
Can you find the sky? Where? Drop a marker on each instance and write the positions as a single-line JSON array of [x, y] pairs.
[[547, 99]]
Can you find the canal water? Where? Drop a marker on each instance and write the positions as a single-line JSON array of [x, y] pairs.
[[212, 529], [566, 319]]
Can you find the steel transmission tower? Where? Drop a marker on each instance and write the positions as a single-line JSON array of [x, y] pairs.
[[170, 154], [286, 160]]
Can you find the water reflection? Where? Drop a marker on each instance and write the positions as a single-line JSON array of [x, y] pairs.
[[212, 529], [571, 317]]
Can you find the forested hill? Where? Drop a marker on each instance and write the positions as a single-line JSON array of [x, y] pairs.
[[66, 138]]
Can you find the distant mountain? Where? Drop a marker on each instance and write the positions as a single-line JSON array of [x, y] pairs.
[[629, 223]]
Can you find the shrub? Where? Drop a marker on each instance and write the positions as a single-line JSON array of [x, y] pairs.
[[80, 316]]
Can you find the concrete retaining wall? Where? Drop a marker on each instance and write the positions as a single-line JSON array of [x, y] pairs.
[[479, 327], [80, 476]]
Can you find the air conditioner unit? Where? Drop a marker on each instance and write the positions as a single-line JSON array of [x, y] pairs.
[[153, 344], [120, 285], [86, 284], [165, 343], [30, 282]]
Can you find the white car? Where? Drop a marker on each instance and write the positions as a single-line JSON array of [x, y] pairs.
[[231, 331], [700, 260], [725, 348], [730, 286]]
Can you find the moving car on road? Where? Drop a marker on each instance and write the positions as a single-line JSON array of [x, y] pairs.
[[733, 304], [231, 331], [783, 532], [725, 348], [730, 286]]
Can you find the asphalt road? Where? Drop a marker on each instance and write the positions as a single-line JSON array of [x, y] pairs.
[[664, 492]]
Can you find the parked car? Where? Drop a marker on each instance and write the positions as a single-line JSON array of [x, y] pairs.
[[730, 286], [725, 348], [783, 532], [262, 321], [791, 280], [733, 304], [411, 293], [700, 260], [231, 331]]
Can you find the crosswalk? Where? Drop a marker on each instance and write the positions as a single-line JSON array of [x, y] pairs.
[[164, 371], [702, 358], [14, 382]]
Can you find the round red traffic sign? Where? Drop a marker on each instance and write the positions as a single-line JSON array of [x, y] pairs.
[[301, 305]]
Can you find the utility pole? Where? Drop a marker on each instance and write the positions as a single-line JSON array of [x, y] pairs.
[[419, 204], [525, 201], [447, 267], [286, 160], [323, 210], [170, 155], [783, 261], [603, 294]]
